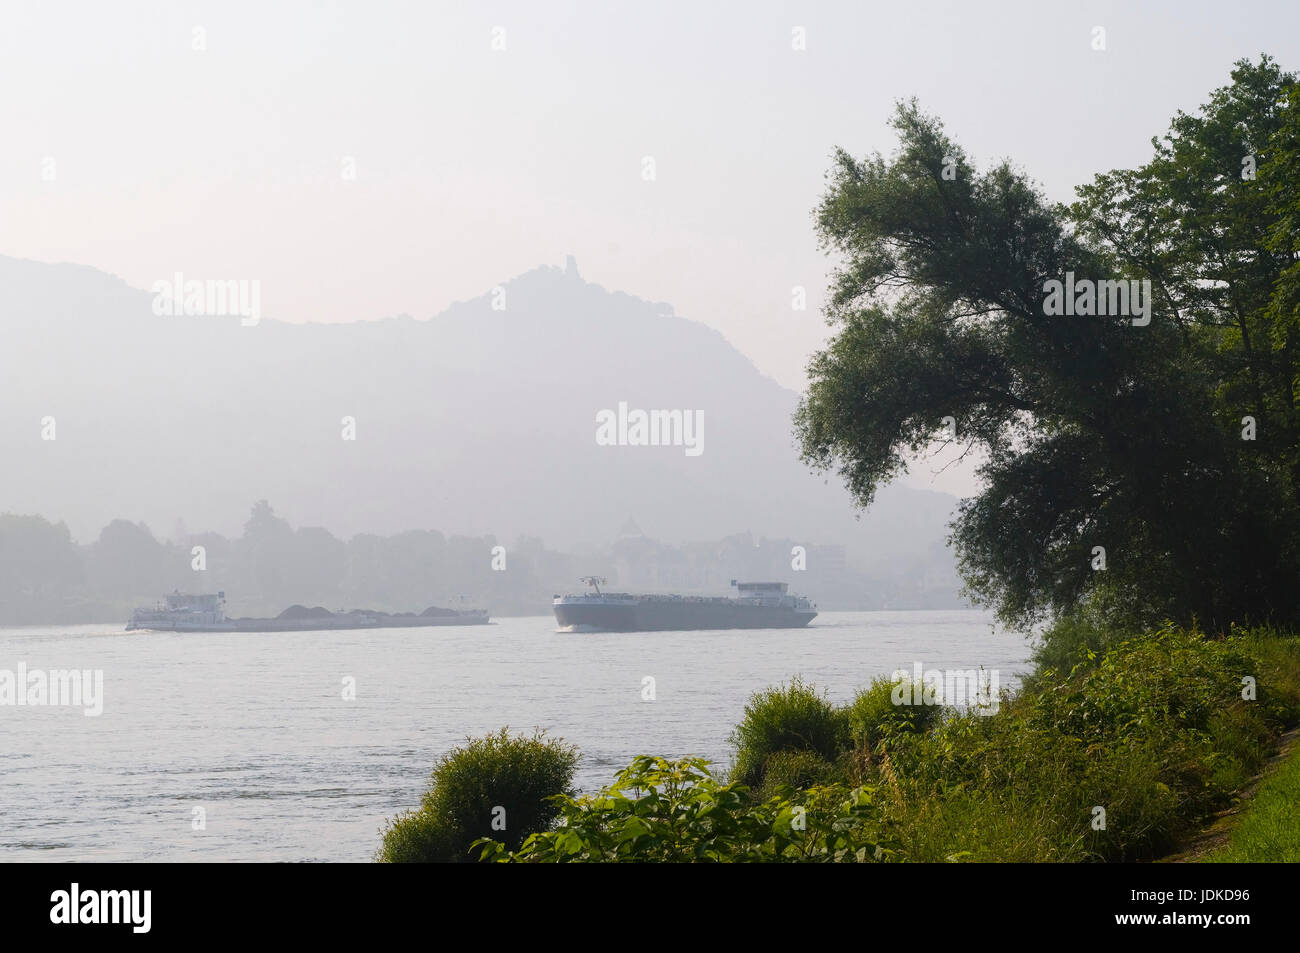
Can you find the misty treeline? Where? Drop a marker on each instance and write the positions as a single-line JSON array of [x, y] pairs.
[[1136, 470], [47, 577]]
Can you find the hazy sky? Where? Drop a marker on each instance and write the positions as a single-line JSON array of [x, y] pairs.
[[474, 164]]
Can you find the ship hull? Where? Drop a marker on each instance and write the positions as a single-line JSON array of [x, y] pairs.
[[671, 616], [311, 625]]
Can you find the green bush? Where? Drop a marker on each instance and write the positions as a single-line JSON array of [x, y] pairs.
[[492, 781], [875, 715], [1278, 658], [1153, 730], [417, 837], [662, 811], [799, 770], [1078, 637], [793, 717]]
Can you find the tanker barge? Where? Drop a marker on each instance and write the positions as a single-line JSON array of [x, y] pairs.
[[757, 605]]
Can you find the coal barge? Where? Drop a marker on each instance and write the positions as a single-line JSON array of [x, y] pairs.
[[187, 612]]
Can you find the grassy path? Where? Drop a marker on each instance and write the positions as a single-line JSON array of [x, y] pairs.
[[1264, 825]]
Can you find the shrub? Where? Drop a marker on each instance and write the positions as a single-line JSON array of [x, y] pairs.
[[875, 716], [1278, 658], [669, 811], [798, 770], [1075, 638], [1153, 730], [785, 718], [417, 837], [499, 778]]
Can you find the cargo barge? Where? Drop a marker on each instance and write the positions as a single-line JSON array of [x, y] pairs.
[[757, 605], [187, 612]]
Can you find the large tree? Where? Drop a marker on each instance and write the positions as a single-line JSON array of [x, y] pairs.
[[1096, 430]]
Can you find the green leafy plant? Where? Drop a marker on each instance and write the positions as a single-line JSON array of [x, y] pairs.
[[792, 717], [875, 714], [659, 810], [500, 787]]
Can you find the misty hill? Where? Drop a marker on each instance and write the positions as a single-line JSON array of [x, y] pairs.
[[475, 422]]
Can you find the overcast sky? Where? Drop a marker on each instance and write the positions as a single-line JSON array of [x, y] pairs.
[[473, 164]]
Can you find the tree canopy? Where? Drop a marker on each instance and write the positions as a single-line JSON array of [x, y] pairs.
[[1169, 449]]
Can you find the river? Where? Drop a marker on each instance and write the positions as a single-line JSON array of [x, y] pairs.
[[253, 733]]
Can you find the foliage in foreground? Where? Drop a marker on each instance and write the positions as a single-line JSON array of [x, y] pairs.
[[665, 811], [1154, 732], [499, 787]]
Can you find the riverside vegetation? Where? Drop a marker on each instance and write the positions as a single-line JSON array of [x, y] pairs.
[[1154, 730], [1141, 498]]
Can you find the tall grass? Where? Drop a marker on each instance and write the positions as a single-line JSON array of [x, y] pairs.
[[1267, 831]]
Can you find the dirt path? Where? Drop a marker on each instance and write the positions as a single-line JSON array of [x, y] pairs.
[[1215, 834]]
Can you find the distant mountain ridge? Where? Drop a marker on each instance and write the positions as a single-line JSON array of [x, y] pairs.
[[479, 420]]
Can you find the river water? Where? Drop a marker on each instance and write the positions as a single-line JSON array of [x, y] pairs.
[[255, 731]]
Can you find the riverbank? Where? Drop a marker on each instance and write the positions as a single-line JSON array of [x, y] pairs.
[[1120, 758]]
